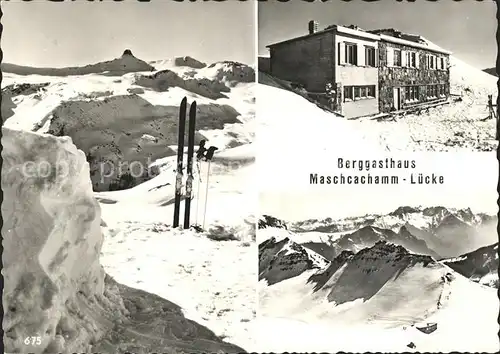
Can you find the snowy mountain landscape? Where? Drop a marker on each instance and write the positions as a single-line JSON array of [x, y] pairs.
[[90, 253], [383, 278], [461, 125]]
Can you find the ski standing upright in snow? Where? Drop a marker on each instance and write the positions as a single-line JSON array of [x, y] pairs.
[[189, 168], [180, 155]]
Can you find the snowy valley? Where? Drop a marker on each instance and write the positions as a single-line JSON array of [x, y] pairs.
[[402, 282], [112, 275]]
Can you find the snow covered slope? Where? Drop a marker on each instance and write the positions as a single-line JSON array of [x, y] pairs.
[[294, 132], [285, 259], [480, 265], [125, 120], [375, 300], [458, 126], [210, 274]]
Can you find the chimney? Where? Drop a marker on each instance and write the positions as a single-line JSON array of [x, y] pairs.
[[313, 27]]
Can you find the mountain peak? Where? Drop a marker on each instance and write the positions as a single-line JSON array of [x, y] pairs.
[[127, 52], [270, 221], [405, 210]]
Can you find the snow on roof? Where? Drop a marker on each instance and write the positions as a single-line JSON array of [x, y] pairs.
[[374, 35], [428, 46]]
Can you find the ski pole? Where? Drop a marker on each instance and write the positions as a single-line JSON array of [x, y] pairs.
[[198, 192], [206, 195]]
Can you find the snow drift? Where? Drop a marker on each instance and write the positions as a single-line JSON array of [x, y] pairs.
[[55, 288], [54, 284]]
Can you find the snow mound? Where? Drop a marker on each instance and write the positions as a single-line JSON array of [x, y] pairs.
[[470, 81], [165, 79], [127, 63], [229, 72], [54, 284], [190, 62], [293, 132]]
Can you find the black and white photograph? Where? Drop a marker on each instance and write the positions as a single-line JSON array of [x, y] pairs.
[[382, 269], [400, 75], [129, 208]]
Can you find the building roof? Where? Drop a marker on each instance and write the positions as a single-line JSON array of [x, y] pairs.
[[333, 28], [410, 40]]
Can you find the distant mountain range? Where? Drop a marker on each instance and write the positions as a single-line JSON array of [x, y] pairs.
[[438, 231], [465, 241]]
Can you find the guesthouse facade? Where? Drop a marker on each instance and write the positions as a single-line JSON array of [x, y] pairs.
[[369, 72]]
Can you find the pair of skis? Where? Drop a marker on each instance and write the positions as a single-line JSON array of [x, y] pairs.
[[189, 167]]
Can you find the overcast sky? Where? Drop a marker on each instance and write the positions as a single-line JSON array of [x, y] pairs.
[[467, 28], [47, 34]]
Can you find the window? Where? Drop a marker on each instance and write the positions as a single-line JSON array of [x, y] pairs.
[[443, 66], [351, 54], [370, 91], [411, 59], [355, 93], [431, 61], [442, 90], [397, 57], [348, 95], [411, 93], [432, 91], [370, 56]]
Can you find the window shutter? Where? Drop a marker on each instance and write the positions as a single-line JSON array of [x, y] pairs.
[[341, 53], [435, 62], [361, 55], [390, 57], [376, 57], [417, 60], [404, 58]]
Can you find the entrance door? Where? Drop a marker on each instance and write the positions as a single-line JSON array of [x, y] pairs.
[[397, 98]]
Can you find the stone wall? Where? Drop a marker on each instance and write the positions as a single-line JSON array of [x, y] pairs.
[[390, 77], [308, 61]]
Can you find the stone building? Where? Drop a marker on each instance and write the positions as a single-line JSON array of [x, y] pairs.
[[370, 71]]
